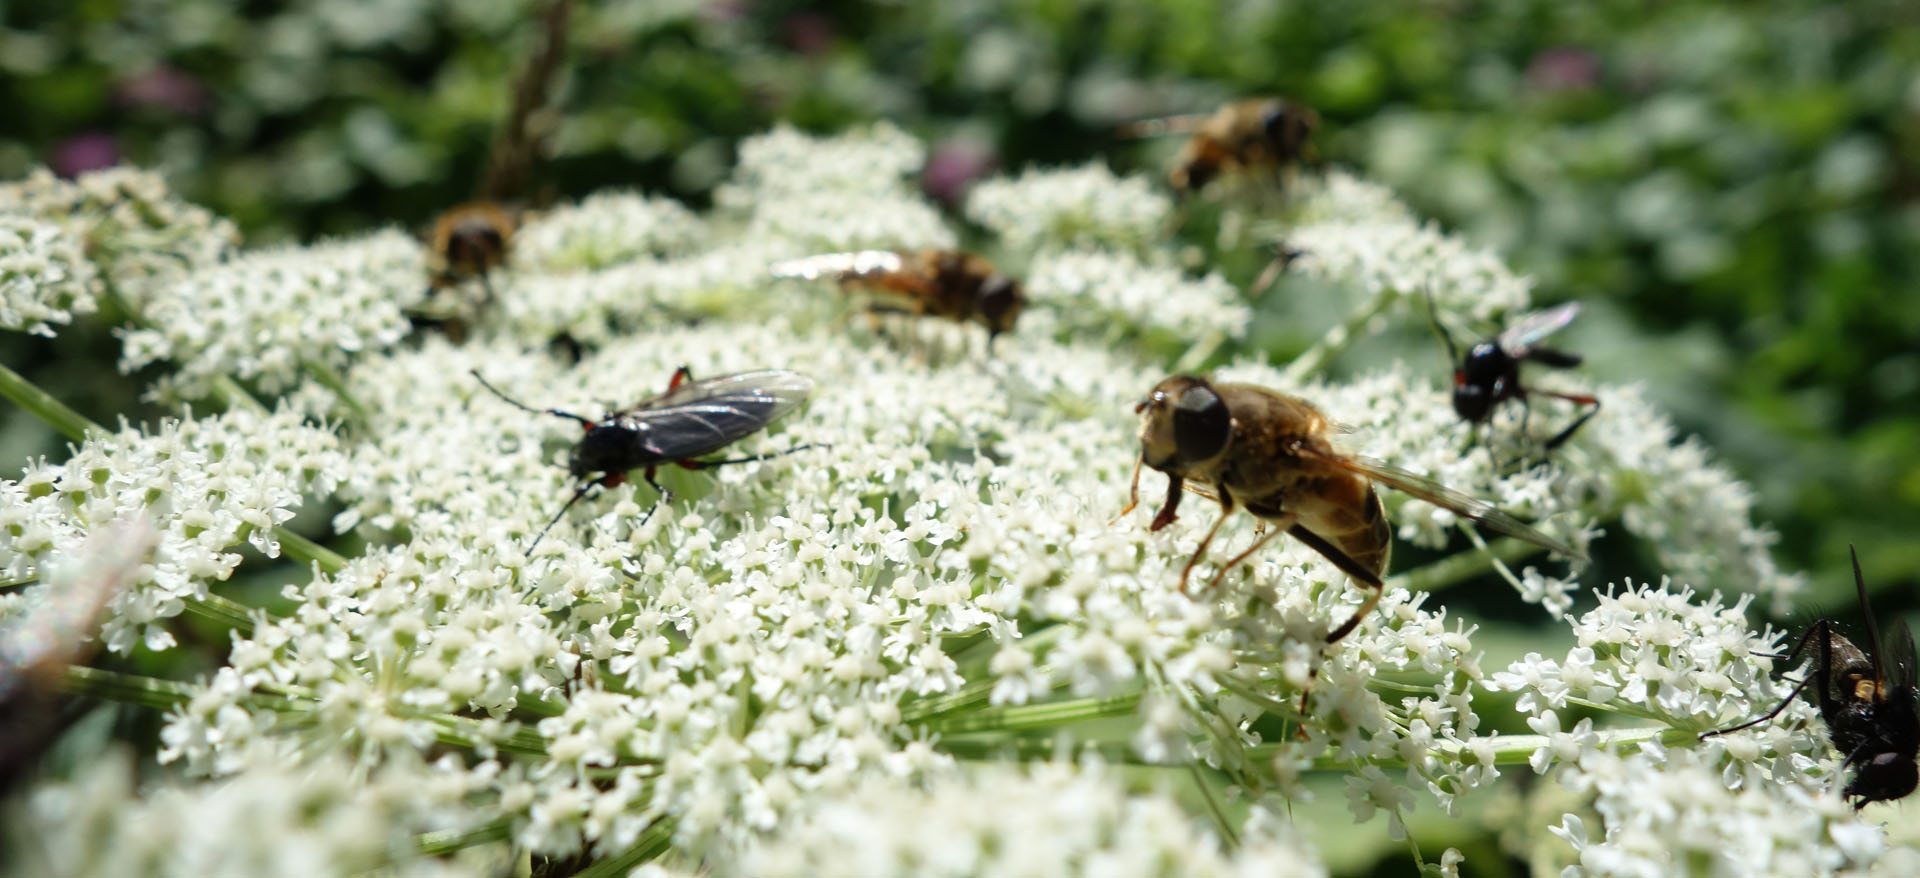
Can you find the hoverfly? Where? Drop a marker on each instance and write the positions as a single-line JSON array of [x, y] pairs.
[[470, 240], [954, 284], [1490, 373], [1270, 452], [691, 419], [1243, 135], [1867, 700]]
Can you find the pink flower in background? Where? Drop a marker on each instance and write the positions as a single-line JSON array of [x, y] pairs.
[[164, 88], [1563, 69], [85, 152], [953, 165]]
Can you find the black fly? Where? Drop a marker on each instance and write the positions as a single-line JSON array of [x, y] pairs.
[[1867, 700], [691, 419], [1490, 373]]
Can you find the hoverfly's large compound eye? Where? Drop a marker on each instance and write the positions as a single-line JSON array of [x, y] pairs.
[[1287, 129], [1000, 302], [1201, 424]]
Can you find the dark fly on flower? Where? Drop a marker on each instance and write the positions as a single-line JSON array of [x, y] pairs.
[[1867, 700], [693, 418], [1490, 373]]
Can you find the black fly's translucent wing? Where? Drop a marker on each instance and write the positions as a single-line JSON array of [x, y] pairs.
[[1896, 665], [1462, 504], [700, 417], [1528, 330]]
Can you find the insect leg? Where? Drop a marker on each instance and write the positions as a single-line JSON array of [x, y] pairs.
[[1347, 565], [665, 496], [680, 374], [1819, 629], [1577, 399], [1133, 493], [1226, 509], [1166, 514], [710, 464], [577, 494], [1262, 540]]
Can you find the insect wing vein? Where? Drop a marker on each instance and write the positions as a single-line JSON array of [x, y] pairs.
[[707, 415], [1529, 330], [1460, 503]]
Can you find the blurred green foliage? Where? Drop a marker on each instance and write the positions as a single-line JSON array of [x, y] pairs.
[[1731, 187]]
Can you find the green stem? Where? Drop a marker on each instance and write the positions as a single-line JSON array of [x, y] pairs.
[[331, 380], [42, 405], [1507, 749], [223, 612], [996, 748], [1227, 834], [1036, 716], [1315, 359], [1200, 351], [230, 395], [125, 688], [307, 551], [652, 843], [439, 844], [1463, 565]]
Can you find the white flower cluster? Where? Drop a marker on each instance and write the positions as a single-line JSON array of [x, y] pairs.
[[140, 237], [1661, 811], [1359, 234], [1100, 290], [321, 817], [603, 230], [266, 315], [1052, 819], [45, 278], [852, 192], [1088, 206], [207, 485], [785, 666]]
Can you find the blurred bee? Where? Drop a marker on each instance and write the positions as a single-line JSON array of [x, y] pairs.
[[1270, 452], [470, 240], [1244, 135], [1867, 700], [1490, 373], [953, 284]]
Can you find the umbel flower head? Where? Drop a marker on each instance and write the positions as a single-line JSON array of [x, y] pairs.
[[921, 615]]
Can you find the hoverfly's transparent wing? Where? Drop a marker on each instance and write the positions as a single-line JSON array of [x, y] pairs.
[[835, 266], [1530, 329], [1462, 504], [700, 417]]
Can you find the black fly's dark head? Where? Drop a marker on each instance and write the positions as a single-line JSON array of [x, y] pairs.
[[610, 448], [1884, 777], [1287, 128], [1000, 303], [1183, 422]]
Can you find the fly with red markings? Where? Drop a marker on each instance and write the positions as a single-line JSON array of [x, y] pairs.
[[692, 419]]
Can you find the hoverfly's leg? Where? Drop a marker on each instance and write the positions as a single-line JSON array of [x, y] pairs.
[[1261, 540], [1133, 493], [1166, 514], [1360, 573], [1819, 629], [1576, 399], [1200, 551]]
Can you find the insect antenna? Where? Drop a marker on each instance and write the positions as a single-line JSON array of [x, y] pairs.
[[585, 422], [1818, 629]]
